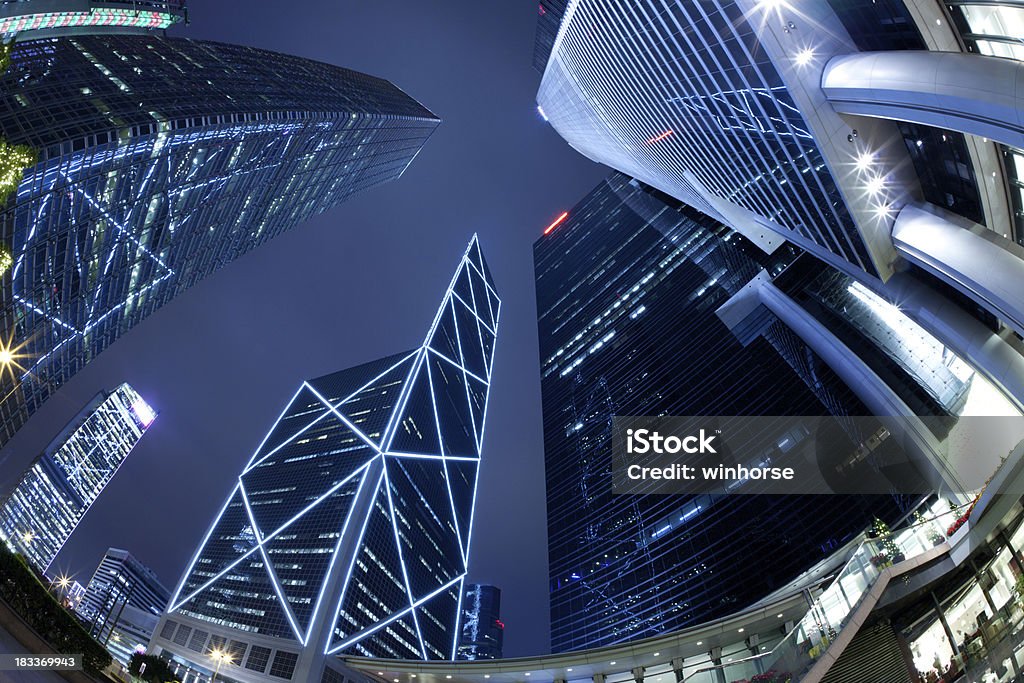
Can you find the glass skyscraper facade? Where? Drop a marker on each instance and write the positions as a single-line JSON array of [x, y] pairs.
[[483, 631], [159, 161], [122, 603], [627, 292], [55, 493], [349, 530], [698, 110]]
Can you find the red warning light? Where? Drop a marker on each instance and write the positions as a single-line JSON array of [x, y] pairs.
[[658, 138], [558, 221]]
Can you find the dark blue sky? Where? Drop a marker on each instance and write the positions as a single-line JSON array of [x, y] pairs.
[[359, 282]]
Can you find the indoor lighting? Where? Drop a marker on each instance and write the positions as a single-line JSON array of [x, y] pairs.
[[804, 57], [864, 161], [876, 184]]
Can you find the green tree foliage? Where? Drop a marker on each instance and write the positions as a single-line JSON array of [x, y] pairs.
[[14, 159], [157, 669], [23, 592]]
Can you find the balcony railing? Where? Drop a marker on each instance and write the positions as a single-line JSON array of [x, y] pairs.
[[831, 611]]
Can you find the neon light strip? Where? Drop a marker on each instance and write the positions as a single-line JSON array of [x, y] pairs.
[[472, 309], [418, 603], [659, 138], [337, 550], [272, 428], [192, 564], [256, 531], [355, 556], [280, 596], [374, 380], [558, 221], [452, 363], [398, 544], [458, 617], [437, 416], [403, 397], [358, 432], [451, 287], [483, 425]]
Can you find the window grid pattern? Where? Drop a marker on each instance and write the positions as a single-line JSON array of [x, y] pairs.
[[404, 435], [230, 147], [283, 665], [626, 301], [990, 28], [54, 494], [258, 658], [683, 97]]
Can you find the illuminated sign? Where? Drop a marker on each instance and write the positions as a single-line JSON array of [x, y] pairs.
[[94, 17]]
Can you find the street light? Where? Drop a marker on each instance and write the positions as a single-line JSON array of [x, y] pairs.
[[220, 657], [10, 354]]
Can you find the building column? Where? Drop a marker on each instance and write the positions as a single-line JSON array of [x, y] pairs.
[[986, 267], [638, 674], [918, 442], [715, 655], [753, 646], [310, 664], [954, 645], [677, 668]]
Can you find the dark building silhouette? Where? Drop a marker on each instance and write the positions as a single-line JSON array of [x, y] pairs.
[[627, 292], [483, 631]]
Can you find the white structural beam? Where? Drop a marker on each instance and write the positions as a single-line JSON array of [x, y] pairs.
[[969, 93], [985, 266], [919, 443]]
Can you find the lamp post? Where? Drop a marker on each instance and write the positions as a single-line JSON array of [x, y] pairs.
[[220, 657]]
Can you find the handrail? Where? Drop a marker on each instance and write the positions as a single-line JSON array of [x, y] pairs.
[[816, 619]]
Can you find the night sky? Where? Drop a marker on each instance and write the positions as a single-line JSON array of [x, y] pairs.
[[356, 283]]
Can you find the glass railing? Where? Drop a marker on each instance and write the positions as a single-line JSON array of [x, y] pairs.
[[831, 611]]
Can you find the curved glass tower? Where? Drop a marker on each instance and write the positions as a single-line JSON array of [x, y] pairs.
[[51, 498], [159, 161], [348, 532]]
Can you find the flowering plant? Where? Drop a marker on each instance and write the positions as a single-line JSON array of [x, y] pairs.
[[962, 519], [881, 560]]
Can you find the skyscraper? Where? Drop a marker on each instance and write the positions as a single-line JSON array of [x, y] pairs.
[[349, 529], [483, 632], [123, 603], [628, 289], [55, 493], [159, 161], [856, 131]]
